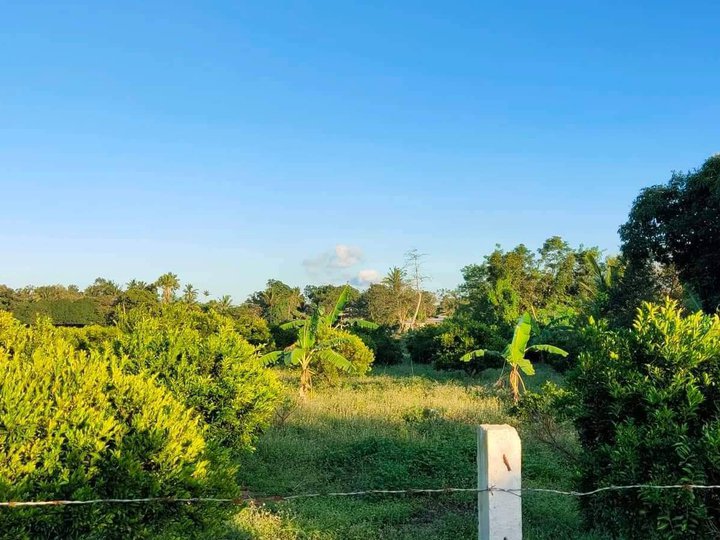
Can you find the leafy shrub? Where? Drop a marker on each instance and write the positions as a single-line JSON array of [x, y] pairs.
[[460, 336], [75, 426], [348, 345], [251, 326], [423, 345], [648, 415], [206, 364], [90, 337], [384, 345], [563, 332], [62, 311], [283, 337]]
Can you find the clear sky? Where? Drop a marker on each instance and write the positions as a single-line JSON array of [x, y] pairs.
[[233, 141]]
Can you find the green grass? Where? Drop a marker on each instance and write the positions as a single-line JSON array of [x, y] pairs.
[[397, 428]]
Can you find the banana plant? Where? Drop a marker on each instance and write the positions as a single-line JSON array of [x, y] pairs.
[[514, 354], [333, 318], [309, 352]]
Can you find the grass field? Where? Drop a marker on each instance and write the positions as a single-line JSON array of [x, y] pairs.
[[394, 429]]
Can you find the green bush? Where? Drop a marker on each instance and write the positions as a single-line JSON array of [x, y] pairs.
[[62, 311], [348, 345], [251, 326], [282, 337], [90, 337], [75, 426], [206, 364], [648, 414], [563, 332], [423, 345], [384, 345], [457, 337]]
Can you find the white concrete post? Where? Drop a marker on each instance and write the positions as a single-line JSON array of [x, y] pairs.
[[499, 466]]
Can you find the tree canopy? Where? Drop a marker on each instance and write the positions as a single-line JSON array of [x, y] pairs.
[[676, 224]]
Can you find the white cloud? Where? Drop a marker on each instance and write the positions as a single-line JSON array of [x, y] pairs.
[[346, 256], [333, 264], [365, 278], [368, 276]]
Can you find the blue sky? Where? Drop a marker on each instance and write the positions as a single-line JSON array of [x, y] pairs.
[[231, 142]]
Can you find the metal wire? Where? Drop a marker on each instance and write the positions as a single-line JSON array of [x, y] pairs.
[[263, 499]]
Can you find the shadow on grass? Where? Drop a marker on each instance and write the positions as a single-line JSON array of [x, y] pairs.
[[421, 371], [390, 431]]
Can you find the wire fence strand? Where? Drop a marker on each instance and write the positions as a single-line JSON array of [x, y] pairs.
[[262, 499]]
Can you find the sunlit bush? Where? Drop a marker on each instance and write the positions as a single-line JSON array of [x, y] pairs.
[[206, 364], [76, 426], [648, 414], [351, 347]]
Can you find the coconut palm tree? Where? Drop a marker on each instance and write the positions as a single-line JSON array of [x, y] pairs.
[[224, 304], [190, 294], [514, 354], [396, 282], [169, 283]]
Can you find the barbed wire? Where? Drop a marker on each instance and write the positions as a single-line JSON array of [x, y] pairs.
[[245, 499]]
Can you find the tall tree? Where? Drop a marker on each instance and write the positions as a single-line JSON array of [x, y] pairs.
[[105, 294], [279, 302], [137, 293], [413, 261], [8, 298], [397, 284], [168, 283], [676, 224], [190, 294], [326, 296], [224, 304]]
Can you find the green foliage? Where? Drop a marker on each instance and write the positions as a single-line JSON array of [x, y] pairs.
[[515, 354], [326, 296], [444, 344], [423, 344], [136, 294], [282, 336], [676, 223], [90, 337], [350, 347], [508, 284], [278, 302], [206, 364], [168, 283], [248, 322], [63, 312], [393, 302], [104, 293], [76, 426], [386, 348], [647, 413], [564, 331], [321, 348]]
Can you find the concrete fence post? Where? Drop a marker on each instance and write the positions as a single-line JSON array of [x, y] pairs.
[[499, 466]]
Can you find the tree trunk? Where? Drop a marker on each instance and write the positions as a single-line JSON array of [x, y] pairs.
[[417, 309], [305, 383]]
